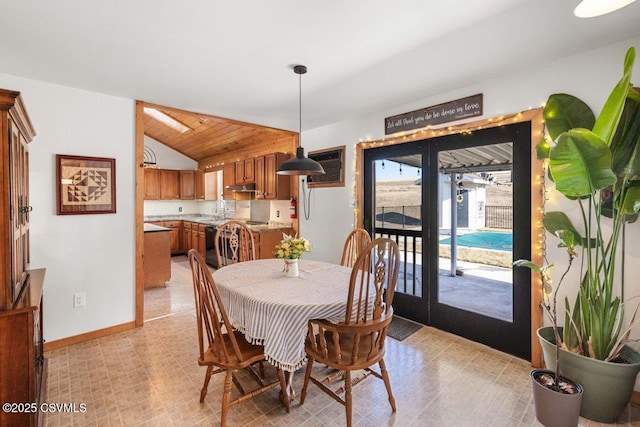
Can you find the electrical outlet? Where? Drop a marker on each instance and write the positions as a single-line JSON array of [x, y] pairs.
[[277, 214], [79, 300]]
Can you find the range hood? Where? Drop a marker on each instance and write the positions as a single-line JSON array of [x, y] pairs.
[[243, 188]]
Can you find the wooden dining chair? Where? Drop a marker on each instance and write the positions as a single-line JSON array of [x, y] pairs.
[[356, 241], [357, 343], [234, 243], [223, 349]]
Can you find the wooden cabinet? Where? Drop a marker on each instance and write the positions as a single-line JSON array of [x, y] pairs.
[[228, 179], [151, 184], [260, 182], [194, 237], [211, 185], [187, 184], [169, 184], [175, 235], [199, 185], [22, 363], [244, 173], [276, 187]]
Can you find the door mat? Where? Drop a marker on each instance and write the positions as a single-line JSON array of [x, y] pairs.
[[399, 328]]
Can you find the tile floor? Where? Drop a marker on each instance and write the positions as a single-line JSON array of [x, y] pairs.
[[149, 377]]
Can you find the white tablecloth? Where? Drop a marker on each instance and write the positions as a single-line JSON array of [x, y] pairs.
[[273, 310]]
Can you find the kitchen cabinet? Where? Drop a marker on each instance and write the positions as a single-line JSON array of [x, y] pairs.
[[169, 184], [276, 187], [199, 185], [151, 184], [244, 173], [187, 184], [210, 182], [228, 179], [194, 237], [22, 362]]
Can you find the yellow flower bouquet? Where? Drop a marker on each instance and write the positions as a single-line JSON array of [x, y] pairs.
[[291, 247]]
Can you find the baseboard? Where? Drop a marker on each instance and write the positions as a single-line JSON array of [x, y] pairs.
[[53, 345]]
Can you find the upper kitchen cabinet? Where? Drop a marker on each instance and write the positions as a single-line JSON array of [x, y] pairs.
[[270, 185], [151, 184], [210, 183], [200, 195], [245, 172], [187, 185], [228, 179]]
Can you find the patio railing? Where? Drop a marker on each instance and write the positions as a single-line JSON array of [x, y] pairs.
[[410, 245]]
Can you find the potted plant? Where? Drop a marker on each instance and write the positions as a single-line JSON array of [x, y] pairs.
[[556, 398], [595, 162]]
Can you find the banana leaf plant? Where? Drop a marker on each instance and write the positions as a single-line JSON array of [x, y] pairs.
[[595, 162]]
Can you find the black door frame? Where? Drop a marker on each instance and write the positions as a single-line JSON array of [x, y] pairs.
[[535, 119]]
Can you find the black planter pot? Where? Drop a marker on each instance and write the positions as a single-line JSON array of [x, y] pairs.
[[553, 408]]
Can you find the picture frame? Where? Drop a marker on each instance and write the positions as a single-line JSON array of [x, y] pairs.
[[85, 185], [333, 163]]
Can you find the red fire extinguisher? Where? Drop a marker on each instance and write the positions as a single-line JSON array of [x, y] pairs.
[[293, 206]]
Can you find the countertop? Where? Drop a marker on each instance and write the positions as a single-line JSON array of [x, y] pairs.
[[148, 228], [215, 221]]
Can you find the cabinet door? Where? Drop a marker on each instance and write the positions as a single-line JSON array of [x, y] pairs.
[[187, 236], [244, 172], [200, 185], [187, 185], [228, 178], [151, 184], [19, 216], [200, 244], [211, 185], [249, 171], [259, 175], [169, 184], [277, 187], [175, 236]]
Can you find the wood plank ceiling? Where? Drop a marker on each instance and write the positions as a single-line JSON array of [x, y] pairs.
[[211, 136]]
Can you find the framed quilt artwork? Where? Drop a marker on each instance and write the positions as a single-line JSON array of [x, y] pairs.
[[85, 185]]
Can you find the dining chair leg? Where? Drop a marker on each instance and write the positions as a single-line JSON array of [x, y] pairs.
[[387, 384], [226, 394], [307, 376], [284, 396], [347, 396], [207, 377]]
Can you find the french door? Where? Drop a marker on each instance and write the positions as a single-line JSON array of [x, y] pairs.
[[458, 207]]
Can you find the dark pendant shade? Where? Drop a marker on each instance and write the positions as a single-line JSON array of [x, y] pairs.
[[300, 165]]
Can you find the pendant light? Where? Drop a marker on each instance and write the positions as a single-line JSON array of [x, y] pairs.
[[300, 165], [592, 8]]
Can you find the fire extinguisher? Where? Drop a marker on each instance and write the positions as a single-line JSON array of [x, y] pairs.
[[293, 206]]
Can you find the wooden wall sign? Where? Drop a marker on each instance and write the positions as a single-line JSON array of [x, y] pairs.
[[462, 108]]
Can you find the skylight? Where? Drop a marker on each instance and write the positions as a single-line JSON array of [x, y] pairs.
[[167, 120]]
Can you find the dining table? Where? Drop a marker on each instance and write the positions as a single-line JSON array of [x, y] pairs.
[[273, 310]]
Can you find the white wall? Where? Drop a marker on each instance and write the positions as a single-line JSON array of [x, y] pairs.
[[80, 251], [93, 254]]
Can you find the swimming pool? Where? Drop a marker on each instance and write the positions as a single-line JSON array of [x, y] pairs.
[[485, 240]]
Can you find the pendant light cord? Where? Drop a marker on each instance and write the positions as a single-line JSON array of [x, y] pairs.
[[306, 201]]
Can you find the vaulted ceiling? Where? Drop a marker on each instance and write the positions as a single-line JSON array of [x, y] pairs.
[[209, 136]]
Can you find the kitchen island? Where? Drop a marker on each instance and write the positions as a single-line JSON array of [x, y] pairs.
[[157, 255]]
